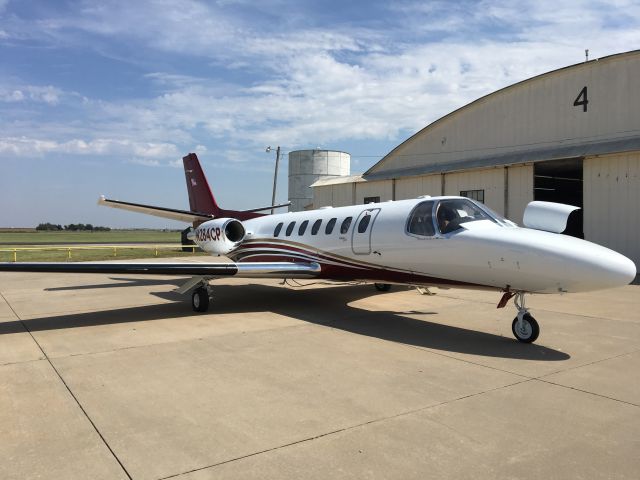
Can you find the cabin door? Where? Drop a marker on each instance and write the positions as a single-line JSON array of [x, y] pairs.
[[361, 236]]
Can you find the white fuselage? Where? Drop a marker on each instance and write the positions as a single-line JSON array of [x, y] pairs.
[[486, 253]]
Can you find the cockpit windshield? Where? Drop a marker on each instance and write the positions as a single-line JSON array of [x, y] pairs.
[[451, 213]]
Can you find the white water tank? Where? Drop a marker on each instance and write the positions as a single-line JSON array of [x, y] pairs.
[[307, 166]]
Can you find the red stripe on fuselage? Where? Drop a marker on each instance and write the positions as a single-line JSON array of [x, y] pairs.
[[335, 267]]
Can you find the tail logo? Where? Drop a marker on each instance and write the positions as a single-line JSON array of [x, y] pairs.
[[193, 183]]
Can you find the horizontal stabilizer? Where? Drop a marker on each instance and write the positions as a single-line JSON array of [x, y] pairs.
[[171, 213], [270, 207]]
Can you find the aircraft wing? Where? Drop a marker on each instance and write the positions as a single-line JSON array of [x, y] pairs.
[[200, 269], [171, 213]]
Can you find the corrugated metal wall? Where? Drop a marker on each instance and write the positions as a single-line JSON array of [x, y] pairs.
[[382, 189], [612, 202], [339, 195], [490, 180], [520, 191], [413, 187]]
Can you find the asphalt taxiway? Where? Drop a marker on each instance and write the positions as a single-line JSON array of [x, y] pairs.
[[114, 377]]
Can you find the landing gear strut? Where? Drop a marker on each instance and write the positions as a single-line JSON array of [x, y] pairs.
[[200, 298], [524, 326]]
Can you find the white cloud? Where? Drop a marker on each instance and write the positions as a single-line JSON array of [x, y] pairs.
[[317, 85], [47, 94], [33, 147]]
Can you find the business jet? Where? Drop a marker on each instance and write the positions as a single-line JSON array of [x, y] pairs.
[[442, 242]]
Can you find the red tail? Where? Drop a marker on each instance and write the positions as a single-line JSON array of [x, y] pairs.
[[201, 199], [200, 196]]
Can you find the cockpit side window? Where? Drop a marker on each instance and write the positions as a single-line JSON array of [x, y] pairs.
[[454, 212], [421, 220]]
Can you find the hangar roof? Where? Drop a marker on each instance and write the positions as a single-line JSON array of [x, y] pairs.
[[337, 180], [584, 109]]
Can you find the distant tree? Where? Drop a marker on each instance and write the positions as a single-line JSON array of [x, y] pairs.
[[48, 227], [82, 227]]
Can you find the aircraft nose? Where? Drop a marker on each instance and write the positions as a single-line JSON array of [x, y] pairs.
[[619, 270], [608, 269]]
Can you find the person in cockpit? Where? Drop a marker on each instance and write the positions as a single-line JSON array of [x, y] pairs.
[[445, 215]]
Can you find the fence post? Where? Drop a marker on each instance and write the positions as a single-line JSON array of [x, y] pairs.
[[69, 255], [156, 250], [115, 251], [15, 255]]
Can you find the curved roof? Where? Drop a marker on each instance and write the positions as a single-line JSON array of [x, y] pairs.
[[539, 113]]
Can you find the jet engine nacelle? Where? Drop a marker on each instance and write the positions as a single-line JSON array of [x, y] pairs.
[[547, 216], [220, 236]]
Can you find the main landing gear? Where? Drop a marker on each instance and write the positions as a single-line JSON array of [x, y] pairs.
[[524, 326], [200, 298]]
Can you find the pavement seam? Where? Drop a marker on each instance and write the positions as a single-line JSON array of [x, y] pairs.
[[575, 367], [345, 429], [46, 357], [549, 382], [32, 360]]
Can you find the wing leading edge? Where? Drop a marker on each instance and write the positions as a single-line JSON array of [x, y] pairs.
[[248, 269]]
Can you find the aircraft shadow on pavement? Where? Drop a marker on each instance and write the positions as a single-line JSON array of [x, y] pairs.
[[122, 282], [324, 306]]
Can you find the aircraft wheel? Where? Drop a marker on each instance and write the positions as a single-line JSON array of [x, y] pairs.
[[200, 300], [528, 331], [383, 287]]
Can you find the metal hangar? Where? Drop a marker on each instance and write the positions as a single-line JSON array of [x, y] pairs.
[[570, 135]]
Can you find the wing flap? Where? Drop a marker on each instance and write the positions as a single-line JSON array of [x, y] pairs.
[[171, 213]]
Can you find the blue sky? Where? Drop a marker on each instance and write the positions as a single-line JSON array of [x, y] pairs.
[[105, 97]]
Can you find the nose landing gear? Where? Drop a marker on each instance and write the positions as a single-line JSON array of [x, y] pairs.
[[524, 326]]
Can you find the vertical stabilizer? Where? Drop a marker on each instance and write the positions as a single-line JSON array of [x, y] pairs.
[[200, 197], [201, 200]]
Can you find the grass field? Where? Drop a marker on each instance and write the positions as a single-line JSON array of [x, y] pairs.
[[114, 236], [19, 240], [87, 255]]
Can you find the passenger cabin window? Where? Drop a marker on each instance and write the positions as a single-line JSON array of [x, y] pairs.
[[344, 228], [316, 227], [452, 213], [329, 228], [276, 232], [290, 228], [364, 223], [421, 220], [303, 227]]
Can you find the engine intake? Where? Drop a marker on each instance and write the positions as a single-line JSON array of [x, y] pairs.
[[220, 236]]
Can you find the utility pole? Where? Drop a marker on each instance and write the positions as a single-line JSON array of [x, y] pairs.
[[275, 176]]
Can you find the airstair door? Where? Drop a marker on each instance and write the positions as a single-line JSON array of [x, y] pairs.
[[362, 230]]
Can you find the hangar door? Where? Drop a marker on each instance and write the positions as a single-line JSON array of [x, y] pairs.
[[561, 181]]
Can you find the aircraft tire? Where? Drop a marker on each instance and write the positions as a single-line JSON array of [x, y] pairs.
[[382, 287], [530, 332], [200, 300]]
